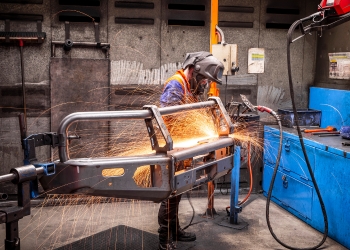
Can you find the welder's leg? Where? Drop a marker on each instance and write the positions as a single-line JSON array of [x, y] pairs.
[[174, 223], [178, 234], [166, 216]]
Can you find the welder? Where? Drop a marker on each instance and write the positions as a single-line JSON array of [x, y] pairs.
[[185, 86]]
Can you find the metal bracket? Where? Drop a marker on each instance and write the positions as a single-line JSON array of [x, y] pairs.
[[37, 140], [18, 35], [12, 240], [39, 27], [151, 132], [68, 43], [11, 215], [7, 29], [238, 209], [67, 30], [227, 128], [327, 23], [97, 33]]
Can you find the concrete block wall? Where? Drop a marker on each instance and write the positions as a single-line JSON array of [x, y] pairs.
[[334, 40], [146, 54]]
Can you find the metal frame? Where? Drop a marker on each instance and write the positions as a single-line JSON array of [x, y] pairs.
[[214, 159], [148, 113], [85, 175]]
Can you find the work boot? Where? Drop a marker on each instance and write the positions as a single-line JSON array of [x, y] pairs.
[[166, 246], [181, 235]]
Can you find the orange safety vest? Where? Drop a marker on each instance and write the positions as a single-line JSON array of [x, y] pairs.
[[180, 77]]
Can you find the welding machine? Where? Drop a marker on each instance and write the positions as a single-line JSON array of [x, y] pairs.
[[335, 7]]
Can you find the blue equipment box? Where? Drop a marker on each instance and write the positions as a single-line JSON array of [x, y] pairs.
[[307, 117], [294, 190]]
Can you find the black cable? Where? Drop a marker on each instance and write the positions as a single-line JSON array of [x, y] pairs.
[[193, 213], [325, 234], [226, 89], [222, 183]]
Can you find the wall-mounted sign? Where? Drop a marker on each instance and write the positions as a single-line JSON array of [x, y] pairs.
[[256, 60], [339, 65]]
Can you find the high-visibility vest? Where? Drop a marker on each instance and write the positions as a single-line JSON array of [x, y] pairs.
[[180, 77]]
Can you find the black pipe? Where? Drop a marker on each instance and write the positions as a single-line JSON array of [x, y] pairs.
[[291, 88], [3, 196]]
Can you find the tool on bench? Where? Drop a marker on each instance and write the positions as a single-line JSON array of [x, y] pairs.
[[302, 128], [327, 129], [325, 135]]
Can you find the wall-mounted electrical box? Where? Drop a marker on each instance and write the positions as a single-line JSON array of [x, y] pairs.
[[227, 54]]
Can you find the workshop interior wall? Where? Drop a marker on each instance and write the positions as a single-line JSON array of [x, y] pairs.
[[146, 54], [334, 40]]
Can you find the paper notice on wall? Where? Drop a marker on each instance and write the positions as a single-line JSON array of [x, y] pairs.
[[339, 65], [256, 60]]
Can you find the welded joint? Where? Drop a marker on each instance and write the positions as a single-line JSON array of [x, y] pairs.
[[238, 209], [223, 117], [166, 135]]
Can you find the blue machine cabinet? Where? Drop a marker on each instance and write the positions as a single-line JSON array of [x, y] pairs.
[[293, 189]]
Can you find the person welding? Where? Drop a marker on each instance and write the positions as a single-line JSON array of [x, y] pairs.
[[185, 86]]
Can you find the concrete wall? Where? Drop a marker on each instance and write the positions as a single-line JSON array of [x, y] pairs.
[[331, 41], [145, 54]]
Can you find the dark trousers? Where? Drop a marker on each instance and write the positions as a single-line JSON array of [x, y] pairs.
[[168, 218]]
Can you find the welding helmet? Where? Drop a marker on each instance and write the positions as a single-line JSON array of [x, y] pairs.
[[205, 66]]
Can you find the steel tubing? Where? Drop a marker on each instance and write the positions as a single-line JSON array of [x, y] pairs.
[[7, 177], [111, 115], [101, 115], [13, 176], [91, 44], [120, 161], [185, 107], [203, 148]]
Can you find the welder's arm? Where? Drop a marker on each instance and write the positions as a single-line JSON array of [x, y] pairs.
[[173, 94]]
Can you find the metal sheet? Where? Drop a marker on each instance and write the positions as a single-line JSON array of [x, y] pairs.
[[333, 176], [290, 193], [80, 85], [37, 103], [85, 176], [334, 105]]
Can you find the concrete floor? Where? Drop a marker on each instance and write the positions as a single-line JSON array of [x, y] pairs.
[[49, 227]]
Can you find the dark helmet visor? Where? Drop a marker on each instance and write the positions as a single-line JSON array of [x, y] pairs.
[[218, 72]]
